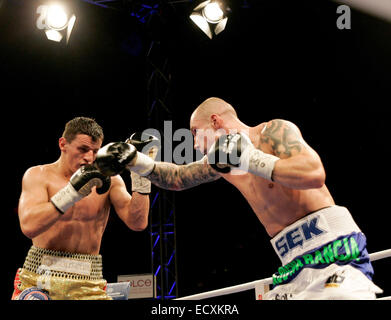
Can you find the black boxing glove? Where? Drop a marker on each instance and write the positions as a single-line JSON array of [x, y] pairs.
[[114, 157], [148, 145], [225, 153], [79, 186]]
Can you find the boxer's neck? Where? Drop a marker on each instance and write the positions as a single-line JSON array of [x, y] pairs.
[[63, 168], [234, 124]]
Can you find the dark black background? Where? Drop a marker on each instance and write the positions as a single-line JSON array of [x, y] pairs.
[[276, 59]]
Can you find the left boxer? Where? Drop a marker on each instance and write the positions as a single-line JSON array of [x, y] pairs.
[[63, 209]]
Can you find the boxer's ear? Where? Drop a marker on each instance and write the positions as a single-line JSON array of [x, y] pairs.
[[61, 143], [217, 121]]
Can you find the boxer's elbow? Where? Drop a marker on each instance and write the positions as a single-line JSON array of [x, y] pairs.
[[29, 231], [138, 225], [314, 175], [316, 178], [139, 228], [27, 228], [29, 234]]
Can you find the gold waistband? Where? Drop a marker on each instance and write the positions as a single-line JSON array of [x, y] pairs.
[[64, 264]]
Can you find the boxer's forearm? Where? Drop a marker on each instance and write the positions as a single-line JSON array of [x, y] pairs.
[[37, 219], [180, 177], [138, 212], [132, 209], [299, 172]]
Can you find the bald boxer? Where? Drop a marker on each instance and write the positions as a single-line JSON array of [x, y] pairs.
[[322, 250], [64, 208]]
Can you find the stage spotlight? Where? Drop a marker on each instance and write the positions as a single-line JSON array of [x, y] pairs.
[[55, 21], [210, 16]]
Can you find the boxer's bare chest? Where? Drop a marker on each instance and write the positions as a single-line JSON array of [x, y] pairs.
[[259, 192]]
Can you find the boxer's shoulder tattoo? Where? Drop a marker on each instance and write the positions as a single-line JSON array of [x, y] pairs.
[[283, 137], [180, 177]]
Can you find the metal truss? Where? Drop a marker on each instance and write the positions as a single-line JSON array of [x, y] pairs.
[[126, 4], [112, 4], [162, 215], [141, 9], [163, 244]]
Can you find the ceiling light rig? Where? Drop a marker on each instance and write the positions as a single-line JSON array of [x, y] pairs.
[[211, 17], [55, 21]]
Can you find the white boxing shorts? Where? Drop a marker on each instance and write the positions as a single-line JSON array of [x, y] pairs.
[[324, 257]]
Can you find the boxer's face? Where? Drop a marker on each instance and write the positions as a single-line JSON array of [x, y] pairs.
[[204, 134], [80, 151]]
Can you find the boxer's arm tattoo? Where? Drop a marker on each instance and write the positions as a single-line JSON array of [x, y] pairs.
[[283, 137], [179, 177]]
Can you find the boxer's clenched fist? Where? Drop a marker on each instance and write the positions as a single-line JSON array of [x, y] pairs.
[[225, 152], [237, 151], [79, 186], [114, 157]]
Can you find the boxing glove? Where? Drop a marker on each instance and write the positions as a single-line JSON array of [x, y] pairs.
[[114, 157], [79, 186], [237, 151]]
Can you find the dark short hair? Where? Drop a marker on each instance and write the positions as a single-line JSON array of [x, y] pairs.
[[83, 125]]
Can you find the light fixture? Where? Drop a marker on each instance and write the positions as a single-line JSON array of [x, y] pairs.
[[55, 21], [210, 16]]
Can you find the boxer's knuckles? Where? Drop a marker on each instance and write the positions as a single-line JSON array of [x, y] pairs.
[[114, 157]]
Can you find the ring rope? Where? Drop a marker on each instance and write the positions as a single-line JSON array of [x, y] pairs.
[[251, 285], [380, 255]]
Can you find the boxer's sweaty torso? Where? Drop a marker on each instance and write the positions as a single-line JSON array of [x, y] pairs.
[[81, 227], [277, 206]]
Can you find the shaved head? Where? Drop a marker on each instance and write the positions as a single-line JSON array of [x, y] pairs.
[[210, 119], [214, 106]]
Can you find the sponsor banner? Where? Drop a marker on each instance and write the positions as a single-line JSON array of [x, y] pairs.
[[141, 285]]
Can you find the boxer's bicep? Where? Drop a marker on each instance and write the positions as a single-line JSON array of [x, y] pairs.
[[34, 190], [179, 177]]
